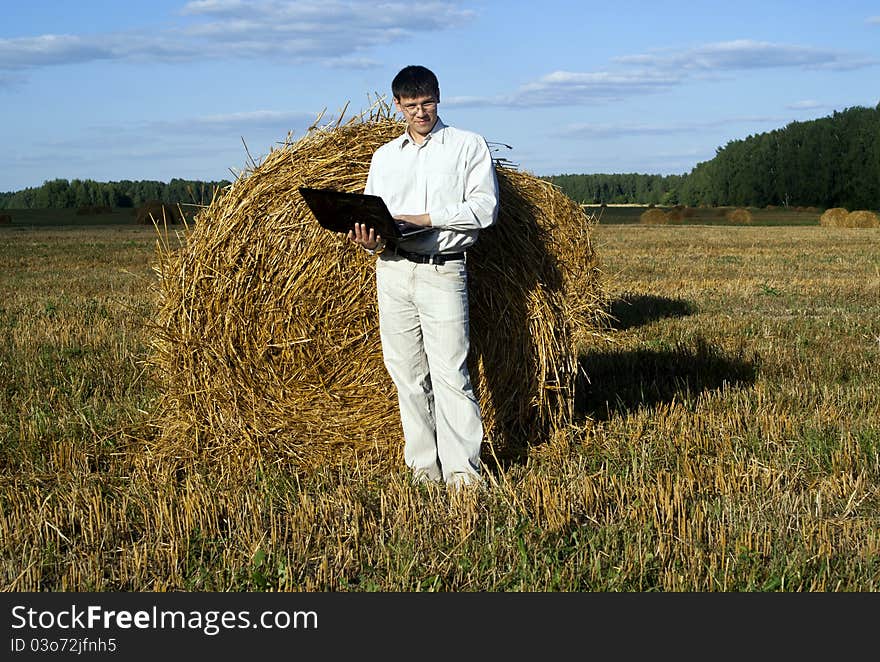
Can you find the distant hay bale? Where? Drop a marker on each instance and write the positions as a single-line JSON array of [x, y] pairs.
[[267, 349], [834, 217], [861, 218], [654, 217], [739, 216], [5, 219], [839, 217], [156, 211]]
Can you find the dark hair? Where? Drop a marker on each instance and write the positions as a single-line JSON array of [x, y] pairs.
[[415, 81]]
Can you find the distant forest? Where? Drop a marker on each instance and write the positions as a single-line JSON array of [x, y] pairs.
[[829, 162], [833, 161], [61, 193]]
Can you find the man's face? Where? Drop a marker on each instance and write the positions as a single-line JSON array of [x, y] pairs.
[[420, 114]]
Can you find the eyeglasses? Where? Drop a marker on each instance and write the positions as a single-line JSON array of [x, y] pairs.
[[412, 108]]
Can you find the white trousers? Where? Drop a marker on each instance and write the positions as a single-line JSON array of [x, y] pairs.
[[424, 328]]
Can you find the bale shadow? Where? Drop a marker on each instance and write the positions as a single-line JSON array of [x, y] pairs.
[[632, 310], [619, 382], [510, 261]]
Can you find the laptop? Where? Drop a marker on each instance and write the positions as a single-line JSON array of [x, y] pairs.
[[339, 211]]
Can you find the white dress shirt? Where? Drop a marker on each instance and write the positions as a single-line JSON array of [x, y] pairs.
[[450, 176]]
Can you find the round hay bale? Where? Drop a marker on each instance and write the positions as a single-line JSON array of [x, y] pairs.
[[739, 216], [267, 348], [156, 211], [654, 217], [861, 218], [834, 217]]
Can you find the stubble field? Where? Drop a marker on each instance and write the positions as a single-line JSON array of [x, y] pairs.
[[728, 439]]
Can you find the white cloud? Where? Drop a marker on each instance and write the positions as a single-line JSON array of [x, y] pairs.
[[806, 104], [50, 49], [318, 13], [572, 88], [9, 81], [659, 72], [333, 31], [214, 7], [562, 86], [351, 63], [599, 131], [747, 54], [235, 123], [624, 130], [191, 134]]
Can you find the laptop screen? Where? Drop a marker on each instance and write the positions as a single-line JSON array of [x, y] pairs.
[[339, 211]]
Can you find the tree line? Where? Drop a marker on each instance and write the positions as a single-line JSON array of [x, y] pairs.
[[78, 193], [620, 188], [833, 161]]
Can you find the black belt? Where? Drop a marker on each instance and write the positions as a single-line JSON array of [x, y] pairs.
[[418, 258]]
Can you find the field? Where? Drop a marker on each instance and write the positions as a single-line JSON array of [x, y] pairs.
[[727, 439], [614, 214], [46, 218]]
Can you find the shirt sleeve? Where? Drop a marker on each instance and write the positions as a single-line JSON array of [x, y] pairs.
[[479, 206]]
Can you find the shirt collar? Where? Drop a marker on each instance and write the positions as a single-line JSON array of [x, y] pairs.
[[435, 134]]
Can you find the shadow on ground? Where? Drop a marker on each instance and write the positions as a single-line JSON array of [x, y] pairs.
[[632, 310], [623, 381]]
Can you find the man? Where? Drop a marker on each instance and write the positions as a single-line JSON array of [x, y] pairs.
[[441, 177]]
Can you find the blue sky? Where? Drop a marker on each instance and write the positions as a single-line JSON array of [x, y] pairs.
[[168, 88]]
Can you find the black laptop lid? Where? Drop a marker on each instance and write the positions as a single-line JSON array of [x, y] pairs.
[[338, 211]]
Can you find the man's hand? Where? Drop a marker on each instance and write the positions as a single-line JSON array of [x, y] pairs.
[[364, 237]]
